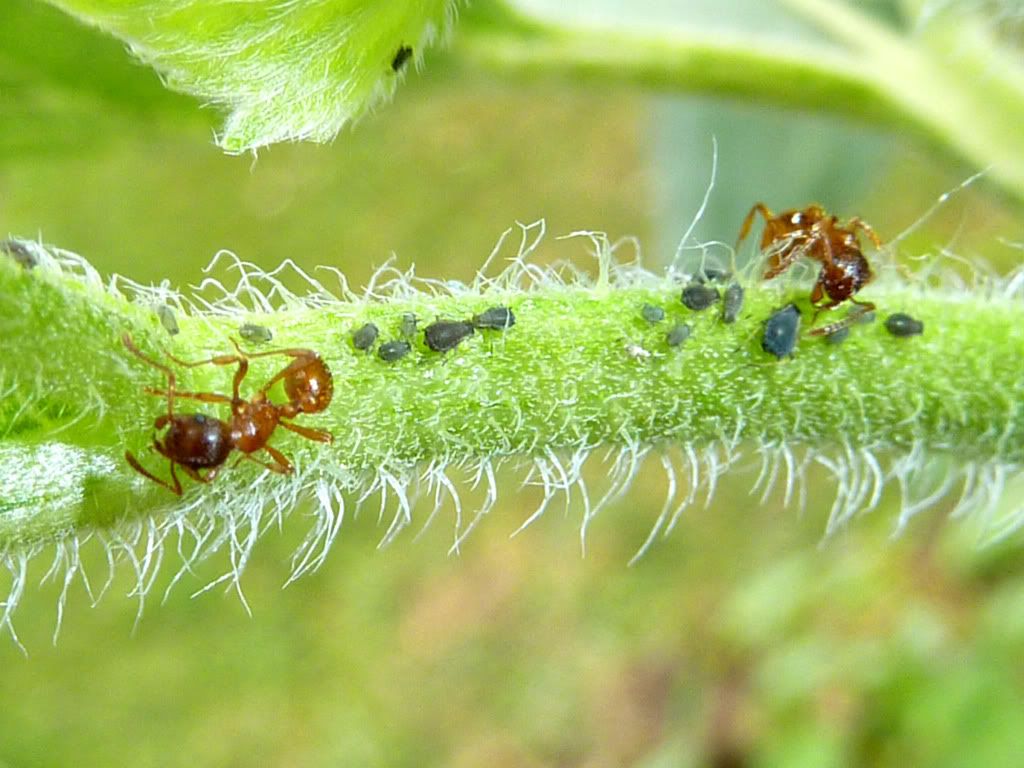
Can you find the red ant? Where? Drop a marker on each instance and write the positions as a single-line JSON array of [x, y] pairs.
[[196, 442], [818, 235]]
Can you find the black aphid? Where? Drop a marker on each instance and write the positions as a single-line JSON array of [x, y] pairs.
[[408, 325], [838, 336], [167, 319], [402, 56], [781, 331], [20, 252], [363, 338], [899, 324], [733, 303], [390, 351], [680, 332], [698, 296], [446, 335], [652, 314], [495, 319], [255, 334]]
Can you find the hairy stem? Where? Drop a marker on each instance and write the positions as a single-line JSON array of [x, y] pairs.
[[581, 368]]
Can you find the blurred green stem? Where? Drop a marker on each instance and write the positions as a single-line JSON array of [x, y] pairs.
[[945, 85]]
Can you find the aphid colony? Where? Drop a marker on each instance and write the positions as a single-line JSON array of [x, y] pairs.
[[201, 444]]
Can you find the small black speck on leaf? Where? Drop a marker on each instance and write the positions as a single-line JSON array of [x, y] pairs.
[[495, 319], [680, 332], [401, 58], [733, 303]]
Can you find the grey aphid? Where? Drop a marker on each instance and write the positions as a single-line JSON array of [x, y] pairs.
[[652, 314], [364, 337], [698, 296], [167, 319], [408, 325], [446, 335], [781, 331], [900, 324], [255, 334], [733, 303], [390, 351], [495, 319], [20, 252], [680, 332]]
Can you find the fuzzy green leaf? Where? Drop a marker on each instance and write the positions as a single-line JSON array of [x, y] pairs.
[[284, 71]]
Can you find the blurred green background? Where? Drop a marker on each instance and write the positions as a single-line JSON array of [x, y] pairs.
[[740, 640]]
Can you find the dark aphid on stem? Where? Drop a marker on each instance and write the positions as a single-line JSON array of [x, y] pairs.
[[20, 252], [407, 327], [732, 303], [495, 319], [781, 331], [652, 314], [446, 335], [902, 325], [364, 337], [699, 297], [390, 351], [402, 56], [255, 334], [680, 332], [168, 319]]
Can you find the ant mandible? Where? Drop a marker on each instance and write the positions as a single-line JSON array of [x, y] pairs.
[[818, 235], [195, 441]]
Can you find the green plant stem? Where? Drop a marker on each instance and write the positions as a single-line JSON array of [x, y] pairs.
[[564, 378], [919, 85]]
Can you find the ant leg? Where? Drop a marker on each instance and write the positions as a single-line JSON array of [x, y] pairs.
[[863, 307], [857, 223], [206, 397], [126, 339], [134, 464], [241, 359], [748, 221], [781, 259], [318, 435], [280, 465]]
